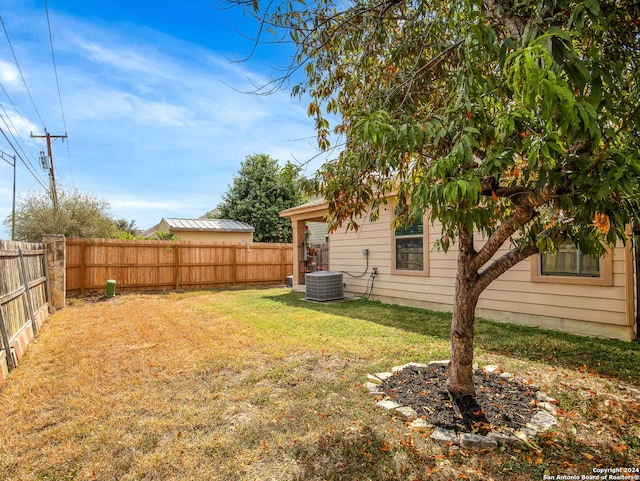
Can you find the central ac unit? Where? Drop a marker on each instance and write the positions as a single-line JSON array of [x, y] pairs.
[[324, 286]]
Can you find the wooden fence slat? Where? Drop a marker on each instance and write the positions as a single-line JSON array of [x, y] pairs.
[[5, 342], [30, 311], [22, 296], [83, 268], [234, 268], [176, 266], [162, 265]]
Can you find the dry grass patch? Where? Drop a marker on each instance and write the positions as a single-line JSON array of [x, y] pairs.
[[258, 385]]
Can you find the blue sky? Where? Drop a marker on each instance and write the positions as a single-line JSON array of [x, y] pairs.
[[156, 122]]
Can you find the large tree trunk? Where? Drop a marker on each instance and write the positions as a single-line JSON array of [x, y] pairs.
[[460, 382], [470, 282]]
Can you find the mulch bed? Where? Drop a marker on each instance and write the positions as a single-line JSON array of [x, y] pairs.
[[499, 403]]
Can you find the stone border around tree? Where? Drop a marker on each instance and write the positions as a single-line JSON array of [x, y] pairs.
[[543, 420]]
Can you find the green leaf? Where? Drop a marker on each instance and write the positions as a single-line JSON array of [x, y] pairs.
[[593, 7]]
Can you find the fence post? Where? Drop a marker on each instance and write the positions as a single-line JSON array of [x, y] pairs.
[[55, 250], [45, 272]]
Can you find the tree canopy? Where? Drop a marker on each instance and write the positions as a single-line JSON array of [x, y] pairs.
[[260, 191], [519, 121], [126, 229], [77, 215], [481, 113]]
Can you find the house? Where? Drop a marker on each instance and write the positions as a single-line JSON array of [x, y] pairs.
[[566, 292], [203, 230]]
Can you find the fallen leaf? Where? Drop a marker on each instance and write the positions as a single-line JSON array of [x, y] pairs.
[[385, 447]]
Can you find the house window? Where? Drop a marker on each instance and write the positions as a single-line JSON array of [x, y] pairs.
[[570, 266], [569, 261], [409, 248]]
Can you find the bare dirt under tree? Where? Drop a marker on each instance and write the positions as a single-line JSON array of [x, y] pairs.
[[500, 403]]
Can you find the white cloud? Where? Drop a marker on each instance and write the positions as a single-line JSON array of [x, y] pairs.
[[9, 74], [127, 60], [154, 128], [103, 103], [14, 124]]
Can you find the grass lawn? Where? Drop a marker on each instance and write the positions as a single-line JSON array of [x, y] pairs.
[[260, 385]]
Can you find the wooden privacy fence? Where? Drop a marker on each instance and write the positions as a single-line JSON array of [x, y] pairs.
[[23, 299], [162, 265]]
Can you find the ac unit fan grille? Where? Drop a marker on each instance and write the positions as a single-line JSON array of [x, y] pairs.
[[324, 286]]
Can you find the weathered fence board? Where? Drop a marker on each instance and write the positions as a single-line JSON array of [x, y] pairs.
[[164, 265], [23, 299]]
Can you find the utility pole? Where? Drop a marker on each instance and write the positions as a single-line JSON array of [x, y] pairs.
[[3, 156], [49, 165]]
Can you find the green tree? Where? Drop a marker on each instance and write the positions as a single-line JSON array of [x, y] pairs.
[[516, 121], [77, 215], [125, 229], [124, 225], [260, 190], [167, 236]]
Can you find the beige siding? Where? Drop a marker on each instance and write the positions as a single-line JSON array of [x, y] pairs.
[[514, 297], [202, 235], [318, 232], [208, 236]]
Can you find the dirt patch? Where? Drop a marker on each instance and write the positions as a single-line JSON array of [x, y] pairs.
[[499, 404], [82, 299]]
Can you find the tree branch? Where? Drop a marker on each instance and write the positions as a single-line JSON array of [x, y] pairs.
[[525, 202], [514, 24], [524, 199], [502, 265], [495, 241], [466, 253]]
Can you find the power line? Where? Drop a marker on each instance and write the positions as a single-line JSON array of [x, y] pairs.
[[26, 163], [13, 104], [15, 129], [20, 70], [4, 119], [13, 205], [55, 68]]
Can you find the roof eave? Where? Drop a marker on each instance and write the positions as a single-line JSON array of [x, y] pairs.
[[310, 210]]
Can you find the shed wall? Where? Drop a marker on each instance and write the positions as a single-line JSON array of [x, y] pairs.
[[209, 236]]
